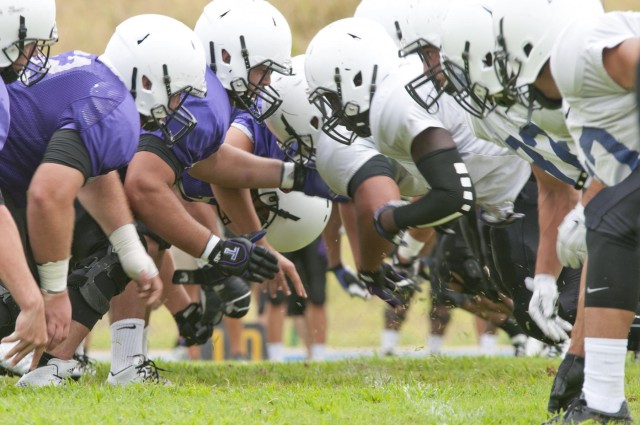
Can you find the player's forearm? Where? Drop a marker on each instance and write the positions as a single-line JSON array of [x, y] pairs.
[[105, 200], [555, 200], [234, 168], [158, 207], [14, 271]]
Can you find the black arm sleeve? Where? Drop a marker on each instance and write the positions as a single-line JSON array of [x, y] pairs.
[[153, 144], [67, 148], [451, 195]]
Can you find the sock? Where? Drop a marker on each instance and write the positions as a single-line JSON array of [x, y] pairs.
[[45, 359], [390, 339], [275, 351], [318, 351], [126, 343], [145, 340], [488, 344], [435, 343], [604, 373]]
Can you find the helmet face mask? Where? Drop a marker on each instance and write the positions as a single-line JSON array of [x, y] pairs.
[[175, 122], [28, 31], [297, 124]]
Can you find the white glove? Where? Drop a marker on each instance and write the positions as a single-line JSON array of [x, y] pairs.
[[134, 259], [543, 307], [571, 244]]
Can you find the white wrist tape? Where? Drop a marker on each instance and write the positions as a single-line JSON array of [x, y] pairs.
[[412, 247], [288, 174], [53, 276], [132, 255], [211, 243]]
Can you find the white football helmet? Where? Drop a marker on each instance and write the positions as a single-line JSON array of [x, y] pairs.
[[161, 61], [468, 46], [241, 35], [297, 124], [526, 32], [344, 62], [392, 15], [424, 30], [294, 220], [23, 22]]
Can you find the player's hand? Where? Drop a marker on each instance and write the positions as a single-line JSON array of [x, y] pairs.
[[241, 257], [571, 244], [57, 311], [30, 333], [567, 385], [279, 282], [543, 307], [150, 289], [350, 282]]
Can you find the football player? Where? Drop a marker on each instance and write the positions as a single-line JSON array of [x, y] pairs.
[[26, 32], [56, 150], [589, 61]]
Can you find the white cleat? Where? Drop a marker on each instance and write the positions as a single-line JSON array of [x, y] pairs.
[[142, 371], [359, 290], [56, 372], [23, 365]]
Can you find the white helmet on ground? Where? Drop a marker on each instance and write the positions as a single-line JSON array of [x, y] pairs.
[[297, 124], [526, 32], [23, 22], [344, 63], [293, 220], [161, 61], [239, 36]]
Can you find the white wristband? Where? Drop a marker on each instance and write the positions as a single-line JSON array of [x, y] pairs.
[[288, 174], [412, 247], [53, 276], [211, 243], [124, 238]]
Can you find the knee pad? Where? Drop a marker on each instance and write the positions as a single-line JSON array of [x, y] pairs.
[[295, 305], [212, 308], [235, 295], [98, 279]]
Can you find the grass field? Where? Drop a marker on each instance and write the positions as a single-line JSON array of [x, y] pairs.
[[436, 390]]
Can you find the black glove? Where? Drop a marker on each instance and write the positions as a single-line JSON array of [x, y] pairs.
[[241, 257], [191, 327], [567, 385], [235, 295]]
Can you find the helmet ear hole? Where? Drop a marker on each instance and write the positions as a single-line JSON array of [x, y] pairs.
[[315, 122], [357, 79], [146, 83], [226, 56], [527, 49]]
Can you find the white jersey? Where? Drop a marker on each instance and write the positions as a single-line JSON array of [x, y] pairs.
[[601, 115], [396, 119], [337, 163], [510, 128]]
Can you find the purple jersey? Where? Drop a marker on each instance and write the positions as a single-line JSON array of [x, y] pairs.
[[264, 142], [213, 113], [81, 93], [4, 113], [264, 145]]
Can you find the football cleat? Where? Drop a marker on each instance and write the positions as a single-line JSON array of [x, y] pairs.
[[5, 364], [86, 366], [56, 372], [142, 371], [579, 413]]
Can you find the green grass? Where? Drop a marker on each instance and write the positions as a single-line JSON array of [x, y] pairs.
[[433, 390]]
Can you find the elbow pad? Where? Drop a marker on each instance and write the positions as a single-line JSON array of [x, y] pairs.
[[451, 195]]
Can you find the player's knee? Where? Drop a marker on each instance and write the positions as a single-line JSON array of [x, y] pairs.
[[93, 284]]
